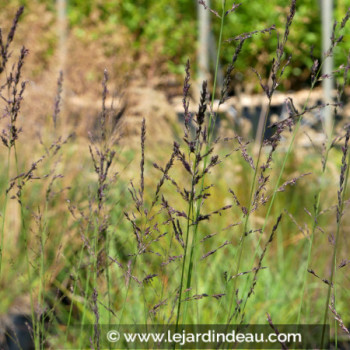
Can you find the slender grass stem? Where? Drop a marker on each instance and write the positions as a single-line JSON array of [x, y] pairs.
[[127, 292], [340, 210], [281, 172], [4, 208], [108, 278], [42, 271], [313, 230], [23, 236], [75, 284], [245, 229], [189, 213], [96, 272], [86, 297], [194, 210]]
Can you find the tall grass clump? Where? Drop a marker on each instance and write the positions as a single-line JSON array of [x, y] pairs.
[[32, 251], [12, 92], [209, 228], [13, 104]]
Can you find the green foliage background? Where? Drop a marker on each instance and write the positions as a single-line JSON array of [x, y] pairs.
[[172, 25], [166, 31]]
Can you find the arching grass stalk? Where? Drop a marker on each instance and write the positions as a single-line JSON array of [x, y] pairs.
[[275, 190], [277, 185], [315, 74], [318, 197], [316, 70], [194, 208], [317, 204], [269, 88], [242, 240], [313, 230], [343, 183]]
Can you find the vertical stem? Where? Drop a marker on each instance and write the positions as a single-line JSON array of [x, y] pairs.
[[22, 235], [314, 225], [62, 43], [4, 208], [195, 212], [333, 270]]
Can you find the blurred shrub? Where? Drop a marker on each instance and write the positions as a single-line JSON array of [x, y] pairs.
[[166, 31], [259, 50]]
